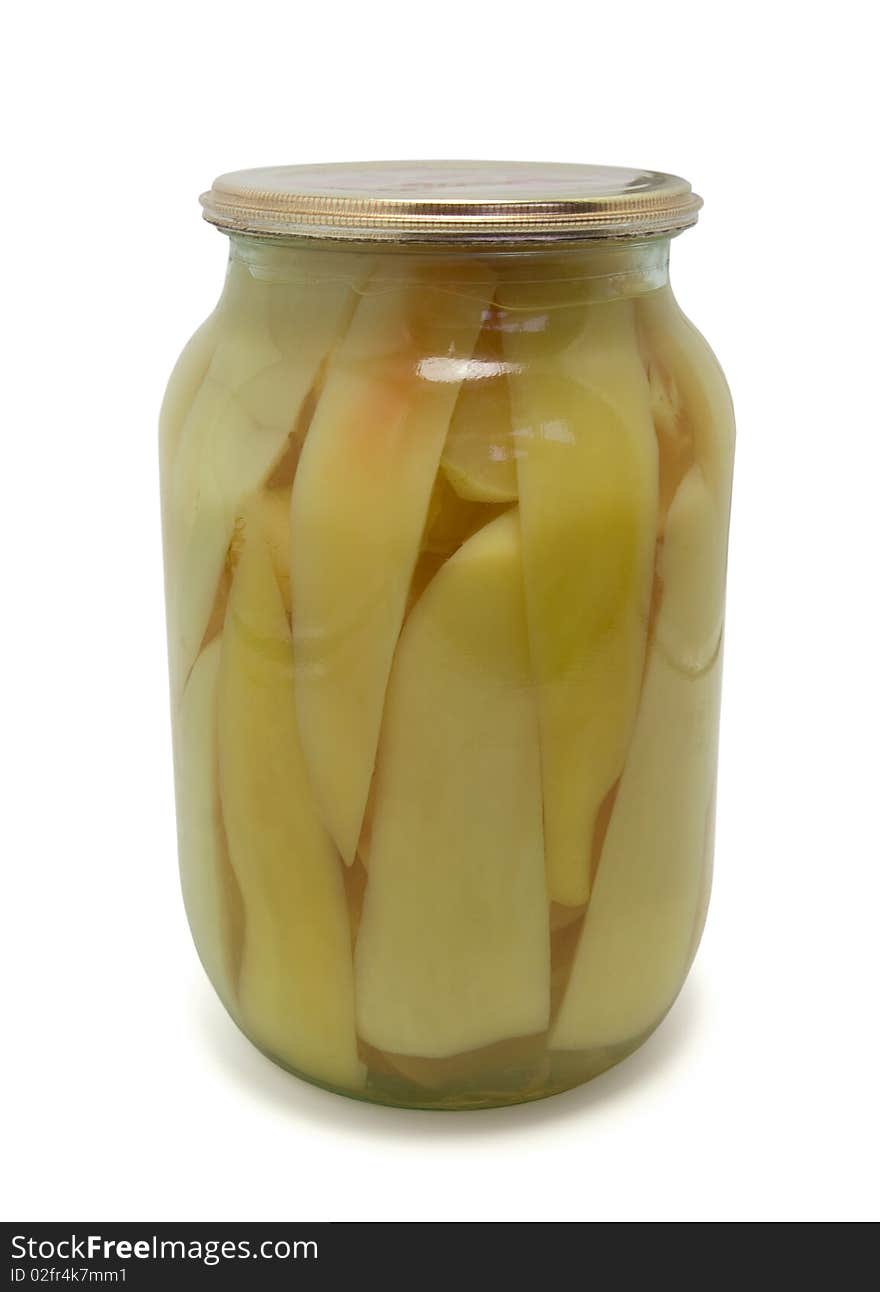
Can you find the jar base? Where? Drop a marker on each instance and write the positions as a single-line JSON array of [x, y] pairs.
[[559, 1072]]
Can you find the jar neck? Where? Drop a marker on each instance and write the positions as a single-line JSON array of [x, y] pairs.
[[563, 272]]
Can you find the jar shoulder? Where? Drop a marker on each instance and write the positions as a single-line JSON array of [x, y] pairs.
[[691, 348], [688, 383]]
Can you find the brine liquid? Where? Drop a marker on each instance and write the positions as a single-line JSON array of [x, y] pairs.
[[445, 547]]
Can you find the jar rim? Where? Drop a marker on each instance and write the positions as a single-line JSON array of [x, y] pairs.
[[451, 202]]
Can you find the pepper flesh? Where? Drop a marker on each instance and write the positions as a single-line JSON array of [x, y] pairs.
[[453, 949], [359, 506], [295, 991], [587, 470], [638, 935], [210, 891]]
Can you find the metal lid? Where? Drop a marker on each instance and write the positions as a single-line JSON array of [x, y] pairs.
[[451, 201]]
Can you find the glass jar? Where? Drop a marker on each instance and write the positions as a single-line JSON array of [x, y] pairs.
[[446, 481]]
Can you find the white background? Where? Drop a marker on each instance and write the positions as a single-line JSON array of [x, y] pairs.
[[129, 1095]]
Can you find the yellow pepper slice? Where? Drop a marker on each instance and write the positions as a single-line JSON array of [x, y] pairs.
[[453, 949], [296, 988], [210, 891], [633, 951], [360, 500], [587, 470]]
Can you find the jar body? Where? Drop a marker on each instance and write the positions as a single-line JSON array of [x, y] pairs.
[[445, 543]]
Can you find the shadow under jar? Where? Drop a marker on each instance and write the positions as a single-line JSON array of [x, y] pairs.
[[446, 482]]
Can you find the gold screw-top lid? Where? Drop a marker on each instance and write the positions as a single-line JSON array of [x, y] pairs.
[[451, 201]]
